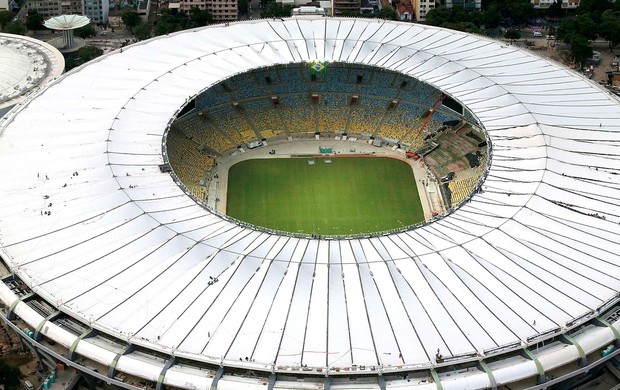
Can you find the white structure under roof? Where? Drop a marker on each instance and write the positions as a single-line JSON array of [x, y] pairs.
[[534, 254], [66, 24], [25, 64], [308, 11]]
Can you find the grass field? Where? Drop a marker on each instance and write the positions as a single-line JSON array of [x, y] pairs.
[[347, 196]]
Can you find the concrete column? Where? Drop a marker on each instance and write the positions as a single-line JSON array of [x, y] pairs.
[[67, 38]]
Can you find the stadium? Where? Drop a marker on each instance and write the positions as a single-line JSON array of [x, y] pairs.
[[124, 265], [388, 114], [26, 65]]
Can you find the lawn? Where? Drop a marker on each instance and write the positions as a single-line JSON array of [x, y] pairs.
[[350, 195]]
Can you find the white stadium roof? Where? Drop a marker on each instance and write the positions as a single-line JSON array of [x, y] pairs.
[[125, 250], [25, 63]]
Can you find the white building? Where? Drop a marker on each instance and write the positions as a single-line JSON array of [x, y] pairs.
[[325, 8], [47, 8], [144, 8], [542, 4], [96, 10], [405, 11], [570, 4], [422, 7], [346, 7], [221, 10], [308, 11]]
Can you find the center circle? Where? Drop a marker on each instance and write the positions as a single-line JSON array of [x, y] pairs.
[[327, 149]]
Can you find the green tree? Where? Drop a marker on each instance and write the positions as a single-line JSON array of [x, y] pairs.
[[490, 16], [131, 19], [463, 26], [477, 18], [596, 7], [5, 18], [88, 53], [438, 16], [521, 11], [569, 32], [278, 10], [85, 54], [458, 18], [199, 17], [15, 27], [388, 13], [610, 27], [87, 31], [555, 9], [167, 22], [242, 5], [34, 20], [512, 34], [143, 31], [566, 30], [9, 376], [580, 50], [518, 11], [573, 30], [586, 26], [163, 28]]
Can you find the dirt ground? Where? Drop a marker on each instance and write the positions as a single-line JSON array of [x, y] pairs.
[[30, 371], [12, 354], [27, 365], [9, 341], [558, 52]]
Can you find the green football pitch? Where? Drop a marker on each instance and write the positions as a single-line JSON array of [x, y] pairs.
[[350, 195]]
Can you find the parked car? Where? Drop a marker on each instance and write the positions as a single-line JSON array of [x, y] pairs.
[[537, 34]]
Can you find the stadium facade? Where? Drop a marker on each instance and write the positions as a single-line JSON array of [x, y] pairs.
[[111, 261]]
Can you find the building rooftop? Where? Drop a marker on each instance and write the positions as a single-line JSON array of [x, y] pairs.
[[404, 7]]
